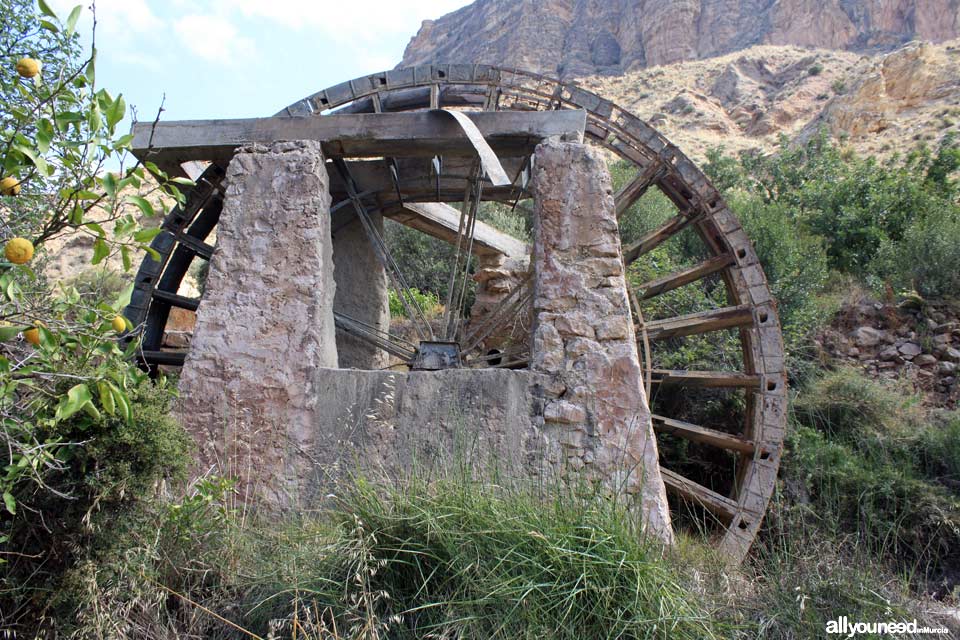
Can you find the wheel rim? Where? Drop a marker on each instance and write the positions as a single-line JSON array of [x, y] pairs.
[[755, 445]]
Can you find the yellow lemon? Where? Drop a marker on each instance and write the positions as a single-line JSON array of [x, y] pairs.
[[119, 324], [9, 186], [18, 250], [28, 67], [32, 336]]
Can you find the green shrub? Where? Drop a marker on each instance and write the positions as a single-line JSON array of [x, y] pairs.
[[429, 302], [933, 267], [874, 465]]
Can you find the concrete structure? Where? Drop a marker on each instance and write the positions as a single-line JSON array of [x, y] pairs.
[[594, 412], [267, 321]]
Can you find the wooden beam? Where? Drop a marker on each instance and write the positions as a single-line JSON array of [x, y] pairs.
[[705, 379], [702, 322], [721, 506], [183, 302], [419, 134], [634, 190], [684, 277], [418, 182], [696, 433], [658, 236], [442, 221], [168, 358]]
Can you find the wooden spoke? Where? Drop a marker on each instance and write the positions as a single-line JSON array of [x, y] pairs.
[[696, 433], [702, 322], [721, 506], [681, 278], [658, 236], [168, 358], [198, 247], [706, 379], [183, 302], [634, 190]]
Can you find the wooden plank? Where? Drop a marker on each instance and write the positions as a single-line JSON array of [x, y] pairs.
[[702, 322], [696, 433], [634, 190], [442, 221], [418, 134], [721, 506], [418, 182], [167, 358], [684, 277], [657, 237], [706, 379], [183, 302]]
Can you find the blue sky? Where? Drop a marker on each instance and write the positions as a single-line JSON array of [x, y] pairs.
[[244, 58]]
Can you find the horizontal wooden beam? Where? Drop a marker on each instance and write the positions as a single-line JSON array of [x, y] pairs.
[[684, 277], [697, 323], [634, 190], [167, 358], [705, 379], [721, 506], [696, 433], [183, 302], [417, 134]]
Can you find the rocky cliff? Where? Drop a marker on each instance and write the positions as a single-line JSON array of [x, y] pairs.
[[575, 38]]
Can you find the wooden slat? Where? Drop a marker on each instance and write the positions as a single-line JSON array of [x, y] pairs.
[[719, 505], [168, 358], [183, 302], [696, 323], [422, 134], [696, 433], [657, 237], [199, 247], [681, 278], [634, 190], [441, 221], [705, 379]]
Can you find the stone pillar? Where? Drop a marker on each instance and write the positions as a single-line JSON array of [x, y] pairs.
[[266, 323], [361, 293], [592, 408]]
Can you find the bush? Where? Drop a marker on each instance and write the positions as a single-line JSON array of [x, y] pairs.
[[933, 267], [877, 467]]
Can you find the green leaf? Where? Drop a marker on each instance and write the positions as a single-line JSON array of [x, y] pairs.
[[100, 251], [110, 184], [93, 226], [124, 298], [153, 253], [75, 400], [106, 398], [143, 204], [49, 26], [45, 8], [72, 20], [7, 333], [146, 235], [125, 256], [184, 181], [116, 111], [10, 503], [38, 160]]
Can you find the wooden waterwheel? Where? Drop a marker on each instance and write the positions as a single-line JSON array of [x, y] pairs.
[[719, 468]]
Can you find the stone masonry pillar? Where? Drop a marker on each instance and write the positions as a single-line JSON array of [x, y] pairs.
[[265, 324], [593, 411], [361, 293]]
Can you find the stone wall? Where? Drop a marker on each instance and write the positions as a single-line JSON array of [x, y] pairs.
[[266, 322], [593, 412]]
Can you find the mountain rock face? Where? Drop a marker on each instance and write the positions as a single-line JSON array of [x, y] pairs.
[[576, 38]]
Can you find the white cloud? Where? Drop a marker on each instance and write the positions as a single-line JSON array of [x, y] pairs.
[[351, 21], [213, 38]]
